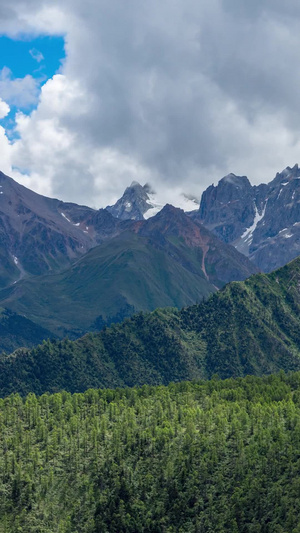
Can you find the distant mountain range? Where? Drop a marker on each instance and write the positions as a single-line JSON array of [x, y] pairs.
[[168, 260], [250, 327], [262, 222], [70, 268]]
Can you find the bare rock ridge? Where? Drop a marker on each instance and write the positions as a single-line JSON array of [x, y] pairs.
[[228, 208], [262, 222], [220, 263]]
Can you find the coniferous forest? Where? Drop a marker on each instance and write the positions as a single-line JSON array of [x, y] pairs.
[[214, 456]]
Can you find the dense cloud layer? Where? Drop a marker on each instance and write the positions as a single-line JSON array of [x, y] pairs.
[[175, 93]]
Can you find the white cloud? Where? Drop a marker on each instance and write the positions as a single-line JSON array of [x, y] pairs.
[[5, 145], [4, 109], [36, 55], [5, 151], [175, 93], [20, 92]]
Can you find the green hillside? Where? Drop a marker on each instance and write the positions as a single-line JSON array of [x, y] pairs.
[[250, 327], [127, 273], [213, 457]]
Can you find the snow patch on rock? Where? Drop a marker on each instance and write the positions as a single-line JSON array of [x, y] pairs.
[[63, 215], [155, 207], [248, 233]]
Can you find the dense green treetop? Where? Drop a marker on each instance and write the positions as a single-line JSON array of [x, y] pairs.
[[214, 457]]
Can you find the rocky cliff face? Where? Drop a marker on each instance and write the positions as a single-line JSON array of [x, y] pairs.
[[263, 222], [228, 209], [276, 239]]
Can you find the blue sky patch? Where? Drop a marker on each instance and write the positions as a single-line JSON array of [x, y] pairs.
[[41, 58]]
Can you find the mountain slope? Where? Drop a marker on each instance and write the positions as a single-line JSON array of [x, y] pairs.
[[124, 274], [165, 261], [220, 263], [40, 234], [250, 327], [263, 222]]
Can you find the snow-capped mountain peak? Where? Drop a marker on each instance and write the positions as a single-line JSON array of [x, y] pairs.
[[142, 202]]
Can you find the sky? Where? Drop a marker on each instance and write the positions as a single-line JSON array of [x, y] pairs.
[[179, 93]]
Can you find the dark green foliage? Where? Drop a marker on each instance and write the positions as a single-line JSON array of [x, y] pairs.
[[215, 457], [250, 327], [145, 349], [125, 312], [17, 331]]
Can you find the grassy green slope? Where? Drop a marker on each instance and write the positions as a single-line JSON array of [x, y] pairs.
[[250, 327], [127, 271], [208, 457]]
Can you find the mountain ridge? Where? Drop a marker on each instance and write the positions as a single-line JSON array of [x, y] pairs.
[[249, 327], [167, 260]]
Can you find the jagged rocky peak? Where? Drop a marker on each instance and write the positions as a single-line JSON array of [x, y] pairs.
[[228, 208], [276, 240], [133, 204], [285, 177], [239, 182], [229, 188], [138, 202], [288, 173]]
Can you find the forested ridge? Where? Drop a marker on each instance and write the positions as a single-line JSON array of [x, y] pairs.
[[250, 327], [214, 456]]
